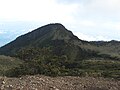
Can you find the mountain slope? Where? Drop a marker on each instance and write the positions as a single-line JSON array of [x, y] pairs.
[[55, 36], [39, 36], [7, 63], [62, 42], [53, 50], [110, 48]]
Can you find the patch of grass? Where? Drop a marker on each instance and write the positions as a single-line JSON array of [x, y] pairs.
[[7, 63], [103, 68]]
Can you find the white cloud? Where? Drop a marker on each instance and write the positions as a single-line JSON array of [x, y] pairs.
[[84, 36], [99, 19], [87, 23], [36, 10], [2, 32], [99, 38], [91, 38], [111, 25], [102, 7]]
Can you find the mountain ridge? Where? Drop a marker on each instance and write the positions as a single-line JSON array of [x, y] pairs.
[[40, 37], [55, 35], [55, 51]]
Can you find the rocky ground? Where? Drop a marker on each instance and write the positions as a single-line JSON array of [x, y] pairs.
[[39, 82]]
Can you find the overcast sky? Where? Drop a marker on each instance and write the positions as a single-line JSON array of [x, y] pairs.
[[88, 19]]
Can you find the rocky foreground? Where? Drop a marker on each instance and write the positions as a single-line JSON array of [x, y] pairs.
[[39, 82]]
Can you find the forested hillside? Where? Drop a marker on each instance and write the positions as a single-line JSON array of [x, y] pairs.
[[55, 51]]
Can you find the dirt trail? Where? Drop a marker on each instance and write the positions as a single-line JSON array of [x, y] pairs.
[[39, 82]]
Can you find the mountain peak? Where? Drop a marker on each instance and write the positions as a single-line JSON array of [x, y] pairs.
[[53, 31], [56, 25], [53, 26], [40, 37]]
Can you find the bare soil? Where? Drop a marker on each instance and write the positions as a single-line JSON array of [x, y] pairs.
[[39, 82]]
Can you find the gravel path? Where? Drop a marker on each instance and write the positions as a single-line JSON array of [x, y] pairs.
[[39, 82]]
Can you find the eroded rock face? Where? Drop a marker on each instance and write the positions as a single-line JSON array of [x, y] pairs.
[[39, 82]]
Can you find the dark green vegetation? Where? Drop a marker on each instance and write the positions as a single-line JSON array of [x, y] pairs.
[[36, 62], [7, 63], [53, 50]]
